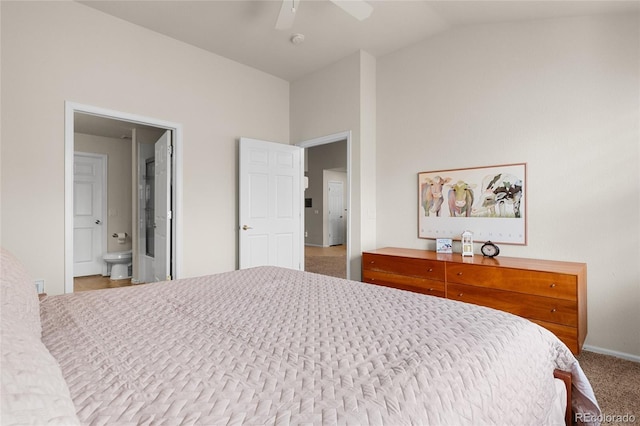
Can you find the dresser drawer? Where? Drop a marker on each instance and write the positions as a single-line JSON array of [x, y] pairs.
[[404, 282], [557, 311], [549, 293], [538, 283], [422, 268], [568, 335]]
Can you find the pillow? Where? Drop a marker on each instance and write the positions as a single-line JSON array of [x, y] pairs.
[[34, 391], [33, 388], [18, 297]]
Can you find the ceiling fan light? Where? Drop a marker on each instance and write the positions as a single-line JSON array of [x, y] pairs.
[[297, 38]]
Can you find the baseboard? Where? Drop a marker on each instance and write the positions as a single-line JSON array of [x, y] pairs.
[[315, 245], [603, 351]]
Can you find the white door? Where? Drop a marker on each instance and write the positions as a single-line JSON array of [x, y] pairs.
[[162, 209], [88, 208], [270, 211], [336, 213]]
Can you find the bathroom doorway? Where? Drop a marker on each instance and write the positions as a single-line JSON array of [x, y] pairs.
[[128, 222]]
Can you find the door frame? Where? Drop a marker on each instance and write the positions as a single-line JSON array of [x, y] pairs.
[[70, 108], [323, 140], [104, 188]]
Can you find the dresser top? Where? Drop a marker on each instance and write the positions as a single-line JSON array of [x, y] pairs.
[[501, 261]]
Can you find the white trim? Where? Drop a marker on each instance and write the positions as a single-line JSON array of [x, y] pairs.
[[337, 137], [69, 109], [603, 351]]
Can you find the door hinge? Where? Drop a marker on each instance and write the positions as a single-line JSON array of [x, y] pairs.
[[170, 150], [170, 214]]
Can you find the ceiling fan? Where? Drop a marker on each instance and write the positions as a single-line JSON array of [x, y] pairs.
[[359, 9]]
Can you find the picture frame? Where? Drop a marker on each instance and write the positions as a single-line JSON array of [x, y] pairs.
[[444, 245], [490, 201]]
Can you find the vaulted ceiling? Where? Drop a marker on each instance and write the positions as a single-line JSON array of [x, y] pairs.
[[244, 30]]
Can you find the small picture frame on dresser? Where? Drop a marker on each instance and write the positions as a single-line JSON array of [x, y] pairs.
[[444, 245]]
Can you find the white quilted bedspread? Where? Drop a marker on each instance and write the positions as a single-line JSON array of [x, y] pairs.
[[275, 346]]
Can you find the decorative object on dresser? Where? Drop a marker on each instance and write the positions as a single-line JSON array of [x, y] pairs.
[[444, 245], [552, 294], [489, 200], [489, 249], [467, 243]]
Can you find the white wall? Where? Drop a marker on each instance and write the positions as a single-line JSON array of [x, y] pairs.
[[54, 52], [561, 95]]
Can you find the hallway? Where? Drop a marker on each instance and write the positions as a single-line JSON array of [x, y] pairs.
[[326, 260]]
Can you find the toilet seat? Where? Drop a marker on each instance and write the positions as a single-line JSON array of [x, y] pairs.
[[118, 255]]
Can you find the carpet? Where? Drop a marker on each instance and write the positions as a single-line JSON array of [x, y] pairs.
[[616, 383], [335, 266]]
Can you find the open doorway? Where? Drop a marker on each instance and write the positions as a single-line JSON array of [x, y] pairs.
[[327, 205], [127, 223]]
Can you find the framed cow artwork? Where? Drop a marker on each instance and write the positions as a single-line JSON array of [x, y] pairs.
[[489, 201]]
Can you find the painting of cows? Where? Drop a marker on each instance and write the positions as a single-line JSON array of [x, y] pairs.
[[499, 192], [431, 195], [461, 199], [489, 201]]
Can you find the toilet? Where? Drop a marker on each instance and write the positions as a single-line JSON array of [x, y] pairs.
[[118, 264]]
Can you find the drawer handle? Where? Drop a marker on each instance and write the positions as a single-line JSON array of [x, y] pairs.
[[431, 289], [459, 273], [460, 294], [552, 285], [430, 270], [553, 310]]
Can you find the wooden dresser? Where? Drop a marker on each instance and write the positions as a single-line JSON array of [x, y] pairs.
[[552, 294]]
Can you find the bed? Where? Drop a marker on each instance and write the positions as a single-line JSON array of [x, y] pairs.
[[270, 345]]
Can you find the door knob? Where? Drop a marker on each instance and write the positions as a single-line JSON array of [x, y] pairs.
[[245, 227], [98, 222]]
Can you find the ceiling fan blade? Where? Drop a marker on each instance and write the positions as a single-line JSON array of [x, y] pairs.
[[359, 9], [287, 14]]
